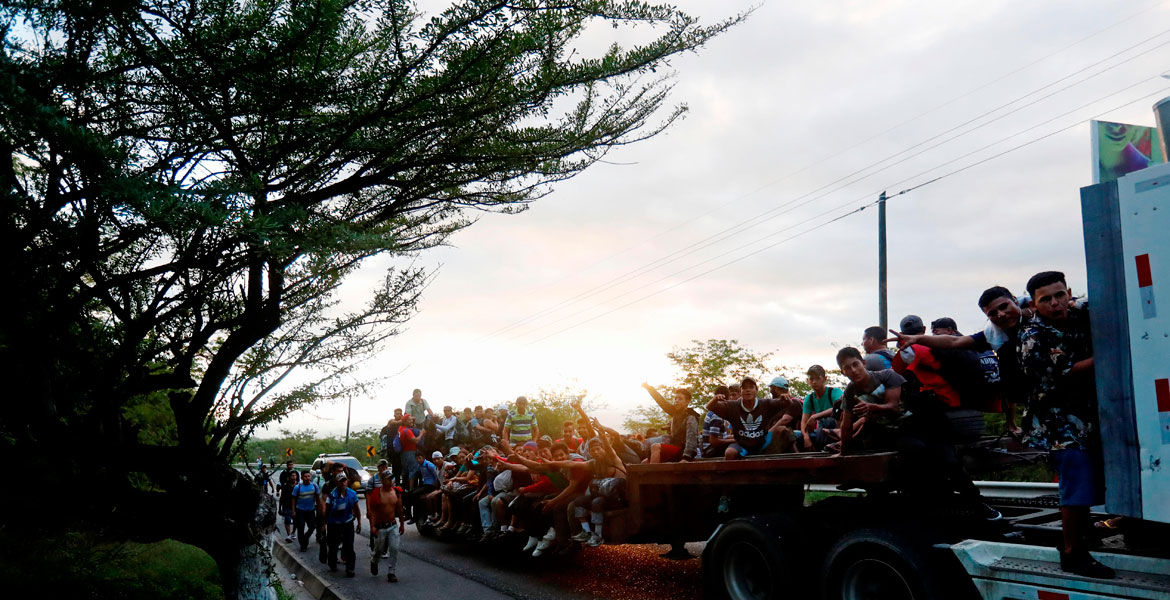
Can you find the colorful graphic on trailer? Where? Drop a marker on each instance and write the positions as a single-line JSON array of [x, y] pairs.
[[1120, 148]]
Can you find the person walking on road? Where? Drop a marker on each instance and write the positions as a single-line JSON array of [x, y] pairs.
[[387, 524], [264, 479], [305, 495], [343, 518], [284, 484]]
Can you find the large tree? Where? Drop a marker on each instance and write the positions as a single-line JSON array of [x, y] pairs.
[[191, 181]]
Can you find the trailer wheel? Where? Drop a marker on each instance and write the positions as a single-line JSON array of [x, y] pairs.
[[424, 530], [877, 564], [748, 560]]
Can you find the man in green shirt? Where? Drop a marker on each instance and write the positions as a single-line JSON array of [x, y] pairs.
[[521, 424], [817, 415]]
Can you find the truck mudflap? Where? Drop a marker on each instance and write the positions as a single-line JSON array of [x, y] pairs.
[[1001, 570]]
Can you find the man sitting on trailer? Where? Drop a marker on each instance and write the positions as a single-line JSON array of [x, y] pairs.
[[683, 443], [877, 355], [716, 436], [871, 406], [1056, 355], [754, 423], [817, 411]]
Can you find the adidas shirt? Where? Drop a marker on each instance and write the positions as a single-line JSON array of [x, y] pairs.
[[750, 427]]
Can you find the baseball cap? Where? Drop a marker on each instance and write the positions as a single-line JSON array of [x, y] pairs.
[[529, 444], [912, 325], [454, 451], [341, 475], [436, 454], [780, 382]]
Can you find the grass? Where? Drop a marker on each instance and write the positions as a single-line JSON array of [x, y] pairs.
[[82, 566]]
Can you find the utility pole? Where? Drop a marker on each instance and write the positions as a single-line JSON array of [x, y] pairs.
[[348, 410], [883, 307]]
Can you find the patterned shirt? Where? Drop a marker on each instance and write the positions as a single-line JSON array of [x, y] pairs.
[[520, 426], [712, 426], [1062, 406]]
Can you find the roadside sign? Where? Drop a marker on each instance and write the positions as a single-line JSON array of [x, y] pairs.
[[370, 452], [288, 452]]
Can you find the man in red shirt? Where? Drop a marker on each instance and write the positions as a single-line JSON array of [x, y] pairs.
[[409, 438]]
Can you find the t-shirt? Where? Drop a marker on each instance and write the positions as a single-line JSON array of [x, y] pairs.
[[814, 404], [288, 478], [520, 426], [712, 426], [573, 443], [880, 381], [877, 361], [339, 505], [751, 426], [418, 410], [429, 475], [305, 495], [408, 439], [262, 479]]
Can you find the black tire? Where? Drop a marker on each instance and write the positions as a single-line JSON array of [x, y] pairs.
[[756, 558], [424, 530], [890, 564]]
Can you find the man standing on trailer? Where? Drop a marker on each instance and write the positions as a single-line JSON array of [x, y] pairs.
[[1056, 355]]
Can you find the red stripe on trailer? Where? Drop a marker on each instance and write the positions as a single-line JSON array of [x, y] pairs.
[[1046, 595], [1163, 392], [1145, 278]]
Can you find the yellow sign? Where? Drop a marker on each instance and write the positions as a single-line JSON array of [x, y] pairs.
[[288, 452], [370, 451]]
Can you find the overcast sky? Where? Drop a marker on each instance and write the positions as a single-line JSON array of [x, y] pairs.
[[800, 96]]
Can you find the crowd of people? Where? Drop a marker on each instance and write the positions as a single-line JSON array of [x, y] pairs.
[[488, 472]]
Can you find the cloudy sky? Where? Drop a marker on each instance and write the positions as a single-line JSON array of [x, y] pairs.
[[717, 228]]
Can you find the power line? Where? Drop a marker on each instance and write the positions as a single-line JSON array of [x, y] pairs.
[[842, 216], [794, 204], [820, 160]]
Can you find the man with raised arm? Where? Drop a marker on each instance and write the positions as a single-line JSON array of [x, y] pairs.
[[684, 428], [387, 524], [754, 423], [1005, 322]]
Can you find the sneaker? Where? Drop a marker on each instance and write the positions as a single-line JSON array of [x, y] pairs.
[[541, 548], [551, 535], [288, 539], [373, 566], [532, 542], [385, 555], [595, 540], [392, 578], [724, 504], [583, 536], [1080, 562], [463, 529]]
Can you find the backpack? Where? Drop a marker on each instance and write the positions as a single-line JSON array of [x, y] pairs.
[[397, 443], [975, 375], [461, 431]]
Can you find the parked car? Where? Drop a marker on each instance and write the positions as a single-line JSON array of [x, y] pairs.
[[359, 477]]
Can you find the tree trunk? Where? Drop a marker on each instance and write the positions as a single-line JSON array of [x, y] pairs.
[[246, 573]]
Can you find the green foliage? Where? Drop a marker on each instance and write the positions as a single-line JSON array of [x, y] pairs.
[[84, 565], [190, 183], [554, 405], [306, 446]]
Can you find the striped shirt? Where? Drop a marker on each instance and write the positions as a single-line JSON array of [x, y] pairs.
[[520, 426]]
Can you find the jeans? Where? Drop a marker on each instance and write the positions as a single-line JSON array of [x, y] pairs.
[[306, 524], [409, 464], [340, 535], [485, 513], [388, 540]]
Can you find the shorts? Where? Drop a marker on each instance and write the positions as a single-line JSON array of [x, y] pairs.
[[671, 453], [1082, 478], [757, 450]]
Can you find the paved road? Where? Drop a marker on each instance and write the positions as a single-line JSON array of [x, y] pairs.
[[500, 571]]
